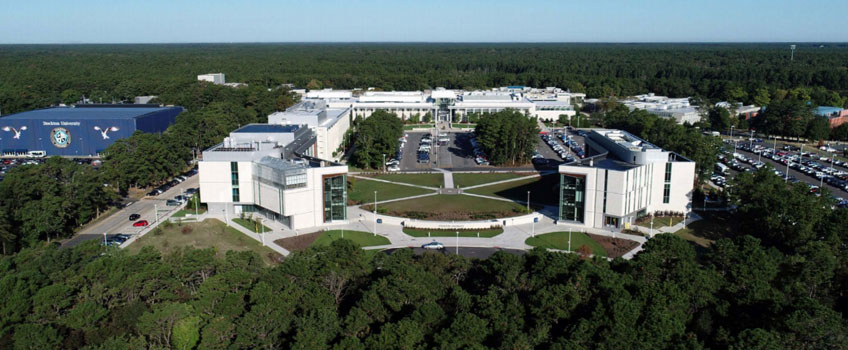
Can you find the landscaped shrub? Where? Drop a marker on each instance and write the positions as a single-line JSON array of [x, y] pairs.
[[186, 230]]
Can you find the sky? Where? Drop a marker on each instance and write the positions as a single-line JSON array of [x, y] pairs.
[[193, 21]]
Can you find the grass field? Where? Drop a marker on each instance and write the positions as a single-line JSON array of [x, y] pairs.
[[463, 180], [463, 126], [362, 191], [417, 126], [543, 190], [363, 239], [713, 225], [207, 234], [431, 180], [660, 221], [489, 233], [559, 240], [451, 207], [250, 225], [190, 212]]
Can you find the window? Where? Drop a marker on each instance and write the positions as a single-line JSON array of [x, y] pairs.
[[572, 190], [667, 172], [234, 180], [236, 195], [666, 193], [606, 181], [335, 198]]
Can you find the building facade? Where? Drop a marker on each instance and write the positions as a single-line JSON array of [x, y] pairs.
[[836, 116], [214, 78], [632, 178], [82, 130], [328, 124], [268, 171], [678, 109]]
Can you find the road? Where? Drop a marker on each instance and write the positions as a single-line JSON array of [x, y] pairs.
[[468, 252], [119, 222]]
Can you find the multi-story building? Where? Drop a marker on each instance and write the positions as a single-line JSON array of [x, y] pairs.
[[268, 170], [630, 178], [214, 78], [678, 109], [328, 124], [739, 110]]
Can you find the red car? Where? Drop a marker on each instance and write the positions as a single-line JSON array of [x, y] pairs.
[[140, 223]]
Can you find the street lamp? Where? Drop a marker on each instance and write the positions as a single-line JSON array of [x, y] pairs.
[[384, 162], [528, 201], [457, 242], [375, 213]]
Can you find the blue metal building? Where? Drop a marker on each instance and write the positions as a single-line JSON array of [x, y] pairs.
[[80, 130]]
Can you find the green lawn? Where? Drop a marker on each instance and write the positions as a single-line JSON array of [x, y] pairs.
[[363, 239], [559, 240], [250, 225], [431, 180], [713, 226], [463, 126], [487, 233], [463, 180], [451, 207], [660, 221], [362, 191], [543, 190], [418, 126], [207, 234], [185, 212]]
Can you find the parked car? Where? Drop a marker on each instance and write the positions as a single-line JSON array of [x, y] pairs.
[[172, 203], [394, 168], [434, 246], [134, 217], [141, 223]]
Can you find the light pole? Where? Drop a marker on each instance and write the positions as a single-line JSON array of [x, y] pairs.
[[384, 162], [375, 213], [652, 226], [732, 139], [774, 147], [751, 144], [457, 242], [528, 201], [262, 231], [569, 239], [226, 217], [195, 205], [533, 225]]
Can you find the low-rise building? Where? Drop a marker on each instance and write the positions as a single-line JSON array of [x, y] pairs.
[[678, 109], [630, 178], [214, 78], [739, 110], [269, 171], [836, 116]]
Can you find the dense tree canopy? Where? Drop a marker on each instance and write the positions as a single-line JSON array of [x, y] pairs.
[[44, 202], [377, 136], [508, 137]]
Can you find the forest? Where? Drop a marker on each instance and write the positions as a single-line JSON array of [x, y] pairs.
[[780, 282], [36, 76]]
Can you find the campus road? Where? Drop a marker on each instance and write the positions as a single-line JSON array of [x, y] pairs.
[[119, 222]]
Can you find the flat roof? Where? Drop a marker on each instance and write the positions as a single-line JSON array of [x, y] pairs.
[[250, 128], [88, 113]]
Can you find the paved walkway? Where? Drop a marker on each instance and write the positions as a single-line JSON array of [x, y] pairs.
[[395, 182], [509, 180], [448, 177]]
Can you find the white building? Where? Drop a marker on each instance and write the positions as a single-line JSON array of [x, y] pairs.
[[214, 78], [267, 170], [629, 179], [678, 109], [453, 105], [328, 124]]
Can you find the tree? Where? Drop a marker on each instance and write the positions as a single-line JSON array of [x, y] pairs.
[[719, 118], [414, 119], [508, 137], [818, 128], [427, 118], [563, 119], [376, 136]]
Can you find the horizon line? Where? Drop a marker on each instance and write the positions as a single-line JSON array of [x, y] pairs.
[[426, 42]]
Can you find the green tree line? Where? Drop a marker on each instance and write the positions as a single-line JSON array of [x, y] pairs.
[[375, 137], [508, 137]]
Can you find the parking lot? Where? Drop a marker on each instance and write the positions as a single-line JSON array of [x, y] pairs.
[[458, 154]]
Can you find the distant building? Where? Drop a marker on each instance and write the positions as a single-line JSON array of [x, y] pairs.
[[268, 171], [83, 130], [143, 100], [678, 109], [739, 110], [835, 116], [629, 179], [328, 124], [453, 105], [214, 78]]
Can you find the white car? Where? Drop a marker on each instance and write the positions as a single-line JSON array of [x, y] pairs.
[[394, 168], [434, 246]]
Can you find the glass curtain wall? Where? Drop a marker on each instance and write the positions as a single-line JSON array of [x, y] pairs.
[[572, 197], [335, 198]]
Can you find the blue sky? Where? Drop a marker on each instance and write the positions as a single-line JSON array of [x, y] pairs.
[[177, 21]]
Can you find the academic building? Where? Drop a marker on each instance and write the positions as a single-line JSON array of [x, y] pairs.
[[630, 178]]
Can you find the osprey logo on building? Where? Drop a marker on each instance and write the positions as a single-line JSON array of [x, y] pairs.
[[60, 137], [17, 132], [105, 132]]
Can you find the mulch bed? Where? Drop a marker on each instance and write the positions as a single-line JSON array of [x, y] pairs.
[[298, 243], [615, 247]]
